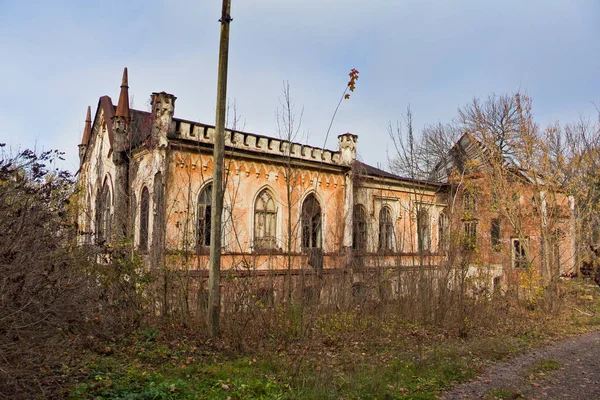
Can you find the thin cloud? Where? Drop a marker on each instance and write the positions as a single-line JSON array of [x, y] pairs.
[[434, 55]]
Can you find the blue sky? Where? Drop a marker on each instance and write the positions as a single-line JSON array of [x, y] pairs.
[[59, 57]]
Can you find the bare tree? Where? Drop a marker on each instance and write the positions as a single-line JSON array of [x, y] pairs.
[[288, 128], [518, 165], [579, 162]]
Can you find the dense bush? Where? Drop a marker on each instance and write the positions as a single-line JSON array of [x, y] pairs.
[[44, 292]]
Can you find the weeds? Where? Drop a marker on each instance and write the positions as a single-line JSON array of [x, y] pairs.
[[393, 360], [505, 394], [541, 367]]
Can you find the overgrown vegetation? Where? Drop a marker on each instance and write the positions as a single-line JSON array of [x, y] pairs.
[[94, 321], [541, 367], [43, 298], [505, 394], [55, 300], [344, 356]]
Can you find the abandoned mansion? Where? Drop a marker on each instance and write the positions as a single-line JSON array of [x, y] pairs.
[[145, 178]]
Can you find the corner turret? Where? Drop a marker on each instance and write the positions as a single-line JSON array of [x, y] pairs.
[[87, 132], [163, 109], [347, 147], [123, 106], [120, 146]]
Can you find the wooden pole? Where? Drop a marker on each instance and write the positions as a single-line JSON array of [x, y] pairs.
[[214, 290]]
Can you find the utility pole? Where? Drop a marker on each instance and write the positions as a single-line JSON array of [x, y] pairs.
[[214, 289]]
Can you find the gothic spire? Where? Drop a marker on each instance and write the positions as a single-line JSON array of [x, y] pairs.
[[123, 106], [87, 131]]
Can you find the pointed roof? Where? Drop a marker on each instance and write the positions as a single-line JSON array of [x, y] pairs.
[[87, 131], [123, 106]]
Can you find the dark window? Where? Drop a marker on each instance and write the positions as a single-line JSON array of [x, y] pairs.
[[103, 221], [469, 202], [557, 237], [443, 232], [519, 253], [497, 282], [423, 230], [106, 220], [359, 231], [158, 224], [470, 235], [133, 210], [265, 221], [495, 201], [204, 210], [386, 230], [495, 234], [98, 217], [88, 220], [359, 291], [311, 223], [144, 219], [534, 203]]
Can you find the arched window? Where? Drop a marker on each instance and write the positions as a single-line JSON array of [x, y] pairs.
[[386, 230], [158, 223], [144, 219], [103, 221], [98, 217], [88, 220], [133, 209], [204, 210], [311, 223], [359, 231], [423, 230], [106, 220], [443, 232], [265, 217]]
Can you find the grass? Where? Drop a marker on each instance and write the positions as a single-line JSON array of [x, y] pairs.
[[385, 368], [345, 357], [112, 377], [536, 369], [164, 372], [505, 394], [543, 366]]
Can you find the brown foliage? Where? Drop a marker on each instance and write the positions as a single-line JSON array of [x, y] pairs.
[[41, 297], [51, 294]]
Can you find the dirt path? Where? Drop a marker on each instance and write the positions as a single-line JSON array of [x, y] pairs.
[[568, 369]]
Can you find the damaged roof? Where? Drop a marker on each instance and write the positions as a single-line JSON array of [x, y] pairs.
[[368, 170]]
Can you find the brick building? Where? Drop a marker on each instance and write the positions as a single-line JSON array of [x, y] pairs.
[[504, 218], [146, 177]]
